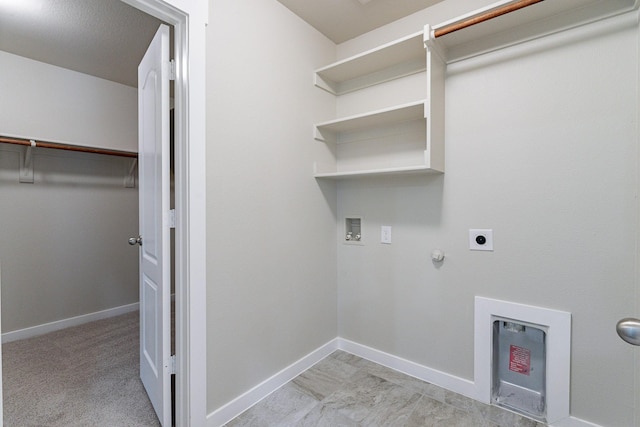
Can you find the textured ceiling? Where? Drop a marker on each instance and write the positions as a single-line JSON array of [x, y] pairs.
[[341, 20], [103, 38]]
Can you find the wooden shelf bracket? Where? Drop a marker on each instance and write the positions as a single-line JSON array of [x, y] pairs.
[[26, 164], [130, 178]]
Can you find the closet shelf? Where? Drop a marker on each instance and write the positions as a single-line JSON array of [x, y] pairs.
[[525, 23], [390, 61], [405, 170], [332, 131], [387, 142]]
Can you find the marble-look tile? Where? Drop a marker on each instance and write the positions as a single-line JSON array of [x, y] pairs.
[[343, 356], [363, 363], [347, 390], [495, 414], [286, 406], [372, 400], [432, 413], [464, 403], [236, 422], [404, 380], [324, 378], [393, 409], [324, 416], [433, 391], [506, 418], [357, 397]]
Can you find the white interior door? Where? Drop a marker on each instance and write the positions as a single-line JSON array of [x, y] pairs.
[[153, 149], [1, 396]]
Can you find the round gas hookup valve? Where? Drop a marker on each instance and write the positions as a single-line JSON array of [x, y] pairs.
[[437, 255]]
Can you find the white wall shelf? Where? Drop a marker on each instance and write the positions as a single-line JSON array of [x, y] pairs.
[[533, 21], [379, 142], [400, 139], [335, 130], [376, 142], [422, 169], [393, 60]]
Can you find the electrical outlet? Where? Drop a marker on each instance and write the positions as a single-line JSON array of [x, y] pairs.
[[385, 234], [481, 239]]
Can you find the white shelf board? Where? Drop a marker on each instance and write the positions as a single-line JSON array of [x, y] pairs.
[[531, 22], [421, 169], [401, 57], [328, 131]]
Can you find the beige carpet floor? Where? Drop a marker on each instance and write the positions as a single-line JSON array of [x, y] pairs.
[[82, 376]]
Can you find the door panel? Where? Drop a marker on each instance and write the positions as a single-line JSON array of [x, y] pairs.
[[153, 146], [148, 330]]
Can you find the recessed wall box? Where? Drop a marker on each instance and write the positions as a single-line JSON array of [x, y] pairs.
[[353, 229], [519, 367]]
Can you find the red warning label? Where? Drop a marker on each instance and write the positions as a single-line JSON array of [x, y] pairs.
[[519, 360]]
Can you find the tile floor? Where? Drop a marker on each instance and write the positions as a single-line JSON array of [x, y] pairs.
[[346, 390]]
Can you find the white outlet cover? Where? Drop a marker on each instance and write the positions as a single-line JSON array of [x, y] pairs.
[[385, 234], [487, 233]]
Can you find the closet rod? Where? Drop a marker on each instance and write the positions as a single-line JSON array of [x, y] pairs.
[[68, 147], [482, 17]]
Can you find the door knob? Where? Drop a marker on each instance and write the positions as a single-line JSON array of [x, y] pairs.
[[629, 330], [135, 241]]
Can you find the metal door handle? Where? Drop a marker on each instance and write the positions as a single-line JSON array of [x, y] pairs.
[[135, 241], [629, 330]]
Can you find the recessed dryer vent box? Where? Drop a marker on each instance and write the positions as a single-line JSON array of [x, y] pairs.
[[519, 367]]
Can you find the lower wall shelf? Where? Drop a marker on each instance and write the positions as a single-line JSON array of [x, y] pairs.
[[392, 141], [373, 172]]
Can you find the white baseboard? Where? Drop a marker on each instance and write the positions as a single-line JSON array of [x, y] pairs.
[[433, 376], [574, 422], [240, 404], [33, 331], [226, 413]]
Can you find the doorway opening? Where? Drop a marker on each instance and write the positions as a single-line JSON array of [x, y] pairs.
[[96, 212], [190, 203]]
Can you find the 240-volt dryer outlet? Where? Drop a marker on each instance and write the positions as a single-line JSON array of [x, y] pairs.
[[481, 239]]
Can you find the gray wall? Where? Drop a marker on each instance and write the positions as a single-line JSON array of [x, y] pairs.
[[542, 147], [271, 252], [51, 103], [63, 239]]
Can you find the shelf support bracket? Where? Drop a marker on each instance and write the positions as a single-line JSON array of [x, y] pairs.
[[130, 178], [26, 164], [431, 44], [324, 135]]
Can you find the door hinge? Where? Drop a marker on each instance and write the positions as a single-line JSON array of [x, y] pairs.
[[172, 218], [172, 69], [172, 364]]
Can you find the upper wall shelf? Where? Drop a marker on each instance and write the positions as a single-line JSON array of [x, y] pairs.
[[533, 21], [397, 140], [390, 61], [388, 142]]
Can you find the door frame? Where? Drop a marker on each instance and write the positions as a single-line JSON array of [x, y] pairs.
[[189, 19]]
